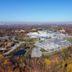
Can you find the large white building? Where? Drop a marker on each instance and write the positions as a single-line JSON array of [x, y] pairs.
[[45, 34], [51, 41]]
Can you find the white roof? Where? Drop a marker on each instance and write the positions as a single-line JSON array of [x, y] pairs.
[[47, 46]]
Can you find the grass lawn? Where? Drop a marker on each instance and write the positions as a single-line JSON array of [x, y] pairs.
[[70, 40]]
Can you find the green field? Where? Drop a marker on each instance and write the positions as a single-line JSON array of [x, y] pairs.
[[70, 40]]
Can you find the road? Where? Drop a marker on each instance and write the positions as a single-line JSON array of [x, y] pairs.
[[13, 48]]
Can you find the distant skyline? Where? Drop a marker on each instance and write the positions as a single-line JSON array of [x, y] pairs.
[[36, 10]]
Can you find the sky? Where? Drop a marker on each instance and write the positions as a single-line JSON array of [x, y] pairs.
[[36, 10]]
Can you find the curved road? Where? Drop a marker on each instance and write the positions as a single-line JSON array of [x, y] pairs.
[[13, 48]]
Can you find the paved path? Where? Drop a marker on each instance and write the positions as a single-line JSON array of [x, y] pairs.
[[36, 52], [13, 48]]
